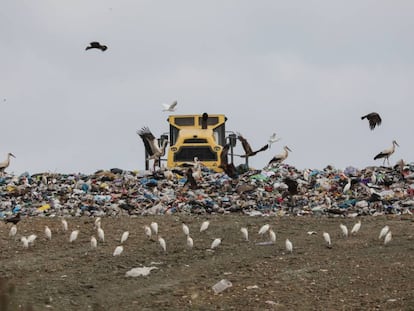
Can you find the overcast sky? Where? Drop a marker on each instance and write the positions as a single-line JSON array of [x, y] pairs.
[[307, 70]]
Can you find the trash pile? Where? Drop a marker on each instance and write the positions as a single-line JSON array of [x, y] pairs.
[[280, 190]]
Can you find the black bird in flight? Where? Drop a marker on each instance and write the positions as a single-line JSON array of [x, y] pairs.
[[228, 168], [13, 219], [248, 149], [96, 45], [373, 118]]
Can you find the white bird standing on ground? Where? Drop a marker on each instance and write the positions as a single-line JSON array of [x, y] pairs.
[[387, 153], [64, 225], [31, 239], [5, 164], [215, 243], [190, 242], [186, 230], [289, 246], [101, 234], [279, 158], [48, 233], [162, 244], [73, 236], [356, 228], [94, 242], [170, 107], [327, 239], [97, 223], [154, 227], [272, 139], [25, 242], [383, 232], [13, 231], [344, 230], [272, 236], [147, 231], [264, 229], [204, 226], [154, 151], [124, 236], [388, 238], [118, 250], [245, 233]]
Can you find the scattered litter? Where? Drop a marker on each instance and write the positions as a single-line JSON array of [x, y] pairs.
[[221, 286]]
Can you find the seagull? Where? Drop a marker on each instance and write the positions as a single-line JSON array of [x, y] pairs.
[[387, 153], [162, 244], [272, 139], [94, 242], [356, 228], [264, 229], [5, 164], [327, 239], [279, 158], [186, 230], [96, 45], [48, 233], [215, 243], [204, 226], [289, 246], [118, 250], [124, 236], [373, 118], [73, 236], [388, 238], [383, 232], [248, 149], [154, 151], [245, 233], [170, 107], [344, 230]]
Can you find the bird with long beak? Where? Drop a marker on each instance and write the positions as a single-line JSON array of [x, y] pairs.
[[279, 158], [5, 164], [387, 153]]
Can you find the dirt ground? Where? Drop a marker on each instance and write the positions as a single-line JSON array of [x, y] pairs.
[[357, 273]]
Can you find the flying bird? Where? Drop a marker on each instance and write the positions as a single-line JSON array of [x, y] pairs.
[[215, 243], [387, 153], [245, 233], [383, 232], [272, 139], [118, 250], [248, 149], [289, 246], [154, 151], [5, 164], [96, 45], [227, 167], [204, 226], [344, 230], [373, 118], [279, 158], [170, 107], [124, 236], [356, 228]]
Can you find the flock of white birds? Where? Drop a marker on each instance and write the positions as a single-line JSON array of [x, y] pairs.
[[152, 233]]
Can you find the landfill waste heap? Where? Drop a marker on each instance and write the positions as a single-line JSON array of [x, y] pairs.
[[281, 190]]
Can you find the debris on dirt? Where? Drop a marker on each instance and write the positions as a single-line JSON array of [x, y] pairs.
[[221, 286], [143, 271]]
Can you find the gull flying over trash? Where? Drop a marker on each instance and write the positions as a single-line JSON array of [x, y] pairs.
[[387, 153], [154, 151], [373, 118], [170, 107], [96, 45], [248, 149]]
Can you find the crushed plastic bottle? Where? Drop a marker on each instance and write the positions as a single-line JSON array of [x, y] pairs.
[[221, 286]]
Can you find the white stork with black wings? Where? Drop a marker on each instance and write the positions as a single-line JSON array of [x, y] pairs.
[[248, 149], [387, 153], [154, 151]]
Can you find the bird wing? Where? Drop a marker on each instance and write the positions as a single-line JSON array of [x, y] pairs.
[[246, 146], [95, 44], [150, 142], [265, 147], [374, 120], [172, 106]]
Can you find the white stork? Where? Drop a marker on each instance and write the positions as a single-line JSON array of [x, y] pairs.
[[387, 153], [152, 148], [5, 164], [279, 158]]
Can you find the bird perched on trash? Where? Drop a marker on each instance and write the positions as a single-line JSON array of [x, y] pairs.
[[5, 164], [272, 139], [387, 153], [170, 107], [13, 219], [96, 45], [227, 167], [248, 151], [204, 226], [373, 118], [279, 158], [190, 179], [356, 228], [154, 151]]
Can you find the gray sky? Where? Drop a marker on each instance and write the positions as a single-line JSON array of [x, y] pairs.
[[306, 70]]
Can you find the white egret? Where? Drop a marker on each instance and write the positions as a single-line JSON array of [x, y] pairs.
[[170, 107], [245, 233], [124, 236], [94, 242], [64, 225], [272, 236], [162, 243], [25, 242], [383, 232], [118, 250], [190, 242], [147, 231], [215, 243], [13, 231], [73, 236], [388, 238], [186, 230], [154, 227], [31, 238], [48, 233], [264, 229], [344, 230], [204, 226], [289, 246], [101, 234], [356, 228], [327, 239]]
